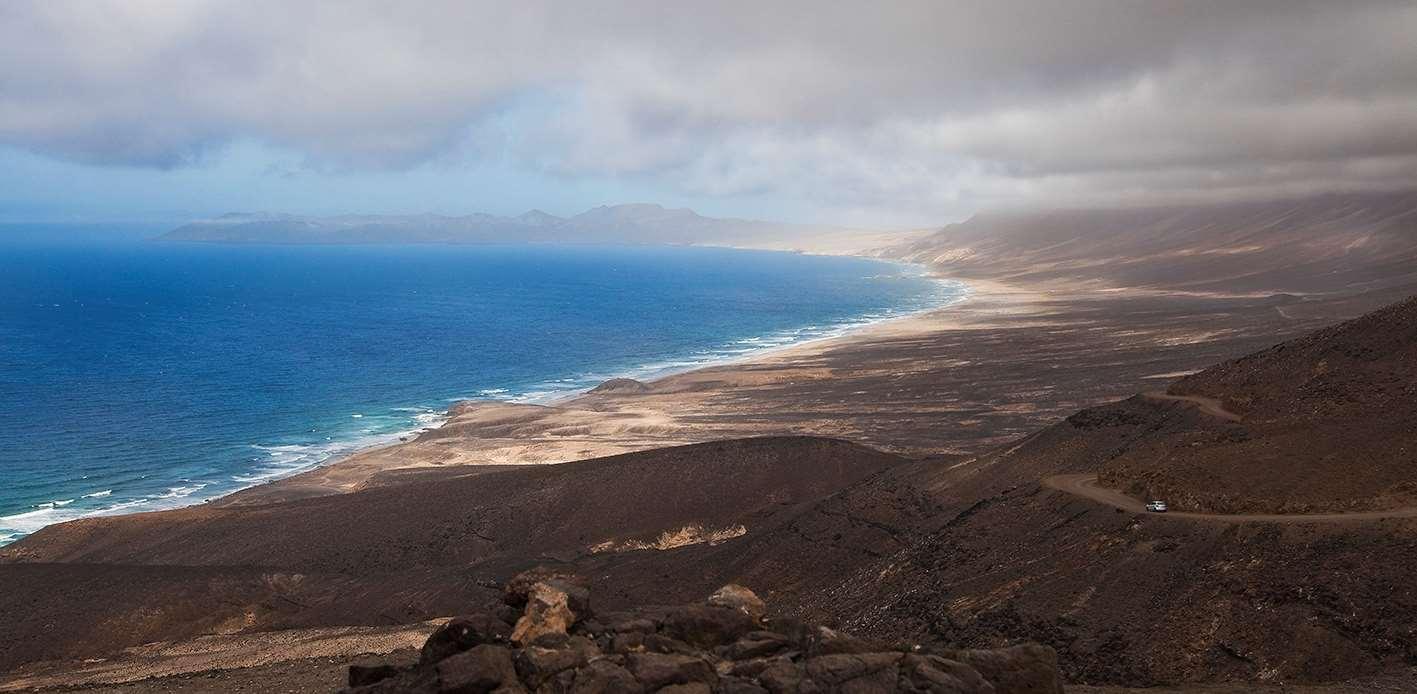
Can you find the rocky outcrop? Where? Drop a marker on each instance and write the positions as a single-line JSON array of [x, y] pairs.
[[620, 386], [548, 612], [739, 598], [725, 645]]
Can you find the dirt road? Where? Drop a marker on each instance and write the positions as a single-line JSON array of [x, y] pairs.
[[1086, 486], [1210, 406]]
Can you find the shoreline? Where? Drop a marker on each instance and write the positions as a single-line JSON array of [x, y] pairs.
[[952, 293], [480, 436], [848, 331], [650, 374], [372, 464]]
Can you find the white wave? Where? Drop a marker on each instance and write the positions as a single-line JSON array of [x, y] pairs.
[[58, 503], [286, 460], [30, 521], [945, 293], [15, 526], [180, 492], [97, 495]]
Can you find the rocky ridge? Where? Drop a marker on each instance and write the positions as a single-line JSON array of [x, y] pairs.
[[728, 644]]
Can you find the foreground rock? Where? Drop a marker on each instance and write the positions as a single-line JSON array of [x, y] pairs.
[[724, 645]]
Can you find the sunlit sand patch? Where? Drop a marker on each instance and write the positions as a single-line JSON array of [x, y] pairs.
[[1172, 374], [1191, 338], [670, 539]]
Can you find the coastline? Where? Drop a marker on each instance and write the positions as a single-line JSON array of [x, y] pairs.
[[416, 450], [1003, 362], [486, 435], [894, 460], [286, 464]]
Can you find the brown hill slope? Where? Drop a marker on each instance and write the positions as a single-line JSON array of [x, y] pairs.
[[648, 524], [662, 496], [1326, 422], [1145, 598]]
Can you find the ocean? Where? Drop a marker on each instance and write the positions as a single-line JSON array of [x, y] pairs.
[[138, 375]]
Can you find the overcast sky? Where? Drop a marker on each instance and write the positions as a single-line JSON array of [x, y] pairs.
[[874, 114]]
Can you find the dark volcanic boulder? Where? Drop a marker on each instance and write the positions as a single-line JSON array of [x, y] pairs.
[[477, 671], [706, 626], [464, 633], [605, 677], [655, 670], [721, 647], [1025, 669]]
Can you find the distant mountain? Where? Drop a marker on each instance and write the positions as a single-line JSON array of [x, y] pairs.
[[1319, 243], [617, 224]]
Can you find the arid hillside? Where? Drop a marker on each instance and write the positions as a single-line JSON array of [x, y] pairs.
[[1129, 597], [1323, 423], [662, 525], [1329, 243]]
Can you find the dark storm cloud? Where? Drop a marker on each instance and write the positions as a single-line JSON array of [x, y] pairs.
[[933, 105]]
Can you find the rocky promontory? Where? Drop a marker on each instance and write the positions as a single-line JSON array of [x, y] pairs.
[[620, 386], [547, 638]]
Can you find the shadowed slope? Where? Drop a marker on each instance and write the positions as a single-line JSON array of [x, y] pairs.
[[425, 549]]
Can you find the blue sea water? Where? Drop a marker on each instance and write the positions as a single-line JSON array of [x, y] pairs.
[[139, 375]]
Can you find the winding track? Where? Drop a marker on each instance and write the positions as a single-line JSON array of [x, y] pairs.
[[1086, 487], [1210, 406]]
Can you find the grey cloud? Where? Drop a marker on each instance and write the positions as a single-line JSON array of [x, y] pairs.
[[933, 105]]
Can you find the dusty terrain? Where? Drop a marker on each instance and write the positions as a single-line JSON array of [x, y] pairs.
[[1087, 486], [104, 584], [291, 660], [1141, 598], [1326, 423], [934, 523]]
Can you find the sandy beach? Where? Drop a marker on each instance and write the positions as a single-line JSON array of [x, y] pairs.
[[1005, 360]]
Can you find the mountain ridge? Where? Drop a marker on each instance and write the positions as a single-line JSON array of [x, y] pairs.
[[632, 224], [1305, 245]]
